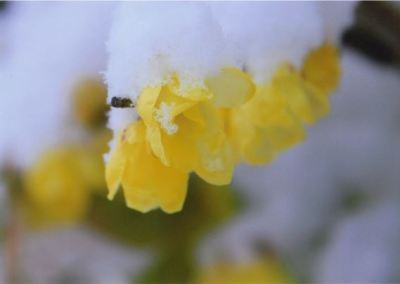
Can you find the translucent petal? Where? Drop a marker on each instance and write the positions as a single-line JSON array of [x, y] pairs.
[[216, 161], [181, 148], [268, 107], [232, 87], [288, 84], [147, 102], [216, 167], [322, 68], [250, 142], [154, 138]]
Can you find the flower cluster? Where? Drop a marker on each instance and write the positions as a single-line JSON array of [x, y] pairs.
[[209, 128]]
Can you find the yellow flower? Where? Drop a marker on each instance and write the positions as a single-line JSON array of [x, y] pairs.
[[321, 68], [208, 129], [181, 131], [259, 271], [58, 186]]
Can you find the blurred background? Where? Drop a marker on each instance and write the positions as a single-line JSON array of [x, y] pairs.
[[326, 211]]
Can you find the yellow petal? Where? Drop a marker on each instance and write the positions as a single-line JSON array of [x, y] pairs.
[[252, 144], [322, 68], [154, 137], [216, 160], [285, 131], [195, 115], [285, 136], [232, 87], [268, 107], [259, 143], [173, 189], [146, 103], [319, 100], [114, 170], [216, 168], [149, 184], [288, 84], [181, 147]]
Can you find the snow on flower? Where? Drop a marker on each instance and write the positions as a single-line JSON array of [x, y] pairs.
[[211, 90]]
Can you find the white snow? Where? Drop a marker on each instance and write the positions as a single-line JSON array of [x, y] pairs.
[[48, 48]]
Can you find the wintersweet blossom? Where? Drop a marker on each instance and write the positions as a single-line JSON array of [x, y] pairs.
[[178, 133], [204, 109]]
